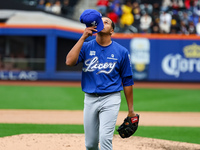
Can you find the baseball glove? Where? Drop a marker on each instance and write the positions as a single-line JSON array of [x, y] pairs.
[[129, 126]]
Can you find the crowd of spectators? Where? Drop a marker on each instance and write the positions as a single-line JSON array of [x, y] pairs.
[[139, 16], [59, 7], [153, 16]]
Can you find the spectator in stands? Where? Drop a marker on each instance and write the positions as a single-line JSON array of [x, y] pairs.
[[196, 9], [41, 4], [156, 6], [155, 22], [189, 4], [183, 28], [113, 16], [198, 27], [165, 22], [66, 9], [127, 17], [116, 7], [174, 26], [165, 5], [102, 6], [146, 6], [193, 18], [135, 6], [175, 19], [173, 30], [191, 28], [177, 5], [137, 17], [56, 8], [155, 17], [155, 28], [48, 6], [145, 23], [184, 17]]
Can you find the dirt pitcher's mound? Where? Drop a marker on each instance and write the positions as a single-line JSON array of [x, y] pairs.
[[76, 142]]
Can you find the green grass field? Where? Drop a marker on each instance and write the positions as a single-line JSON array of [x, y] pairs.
[[71, 98]]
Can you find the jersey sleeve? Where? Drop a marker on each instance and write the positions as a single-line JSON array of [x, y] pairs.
[[127, 81], [126, 69], [81, 54]]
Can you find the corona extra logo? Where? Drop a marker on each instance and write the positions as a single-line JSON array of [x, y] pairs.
[[192, 51], [176, 64]]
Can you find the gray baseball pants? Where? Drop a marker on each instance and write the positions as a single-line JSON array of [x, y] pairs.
[[100, 116]]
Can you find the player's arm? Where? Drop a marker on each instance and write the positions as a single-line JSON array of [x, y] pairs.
[[72, 56], [128, 91]]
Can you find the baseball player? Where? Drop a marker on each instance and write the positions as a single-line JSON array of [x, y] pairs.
[[106, 71]]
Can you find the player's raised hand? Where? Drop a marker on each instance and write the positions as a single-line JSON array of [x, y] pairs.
[[88, 32], [73, 54]]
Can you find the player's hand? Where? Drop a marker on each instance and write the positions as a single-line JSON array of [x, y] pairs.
[[131, 114], [88, 32]]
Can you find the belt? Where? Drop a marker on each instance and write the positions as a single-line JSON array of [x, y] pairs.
[[100, 94]]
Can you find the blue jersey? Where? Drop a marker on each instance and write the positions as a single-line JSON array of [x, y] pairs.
[[104, 67]]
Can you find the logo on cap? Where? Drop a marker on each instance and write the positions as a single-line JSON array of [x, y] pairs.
[[94, 23]]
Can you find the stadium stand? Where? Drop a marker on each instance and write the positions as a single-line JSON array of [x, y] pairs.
[[130, 16]]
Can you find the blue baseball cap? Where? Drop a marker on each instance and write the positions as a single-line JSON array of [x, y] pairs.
[[91, 17]]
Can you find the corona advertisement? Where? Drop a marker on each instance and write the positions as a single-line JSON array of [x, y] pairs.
[[184, 65]]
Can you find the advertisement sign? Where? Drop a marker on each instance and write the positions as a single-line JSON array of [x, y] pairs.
[[182, 63], [22, 75], [153, 57], [140, 57]]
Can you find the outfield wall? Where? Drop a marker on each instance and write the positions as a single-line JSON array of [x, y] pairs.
[[153, 57]]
